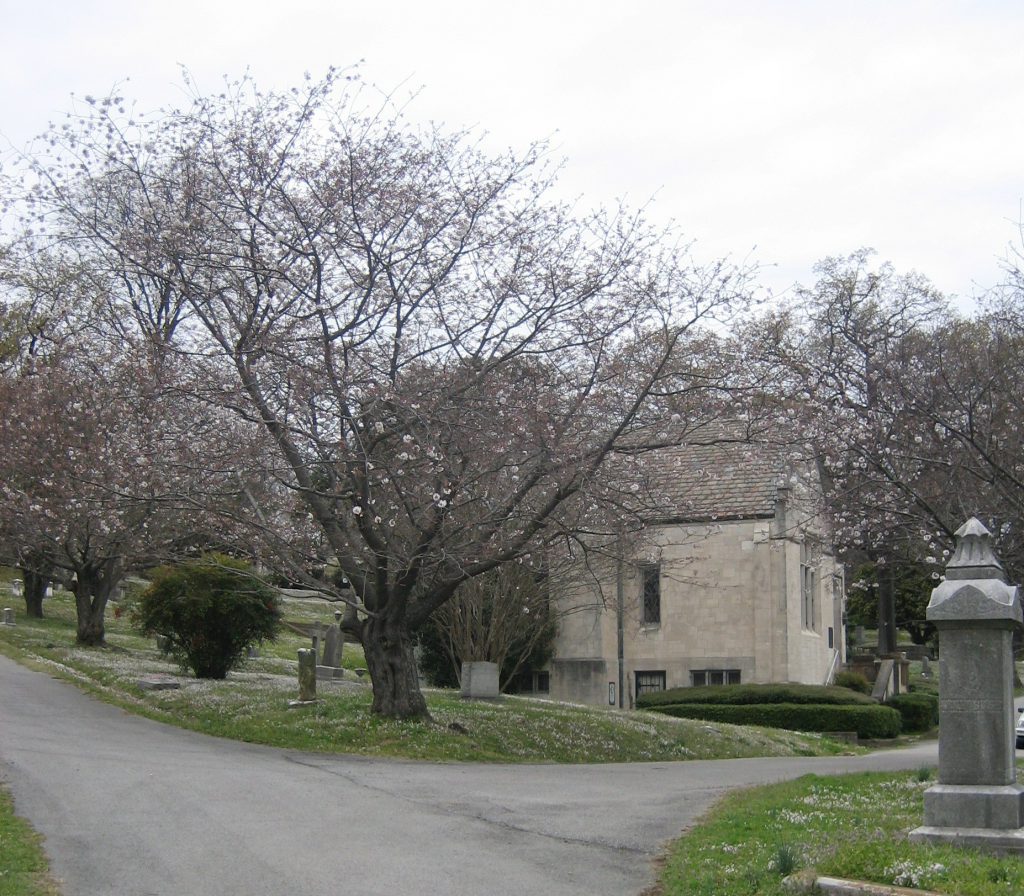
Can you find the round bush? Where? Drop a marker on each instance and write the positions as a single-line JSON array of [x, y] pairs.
[[211, 611], [854, 681]]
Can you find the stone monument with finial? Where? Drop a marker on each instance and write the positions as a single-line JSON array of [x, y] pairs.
[[977, 800]]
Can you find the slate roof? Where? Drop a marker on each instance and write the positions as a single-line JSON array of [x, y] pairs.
[[702, 482], [713, 474]]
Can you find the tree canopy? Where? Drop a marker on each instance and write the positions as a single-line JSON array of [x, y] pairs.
[[441, 357]]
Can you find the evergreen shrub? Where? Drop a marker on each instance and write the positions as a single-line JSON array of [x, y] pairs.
[[870, 722], [854, 681], [919, 711], [739, 694], [211, 611]]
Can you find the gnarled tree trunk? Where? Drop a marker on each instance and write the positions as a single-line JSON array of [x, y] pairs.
[[388, 648], [92, 590], [35, 590]]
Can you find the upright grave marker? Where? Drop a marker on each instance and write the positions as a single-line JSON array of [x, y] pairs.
[[307, 679], [334, 642]]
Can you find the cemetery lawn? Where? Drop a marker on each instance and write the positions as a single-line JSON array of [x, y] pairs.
[[23, 866], [252, 705], [850, 826]]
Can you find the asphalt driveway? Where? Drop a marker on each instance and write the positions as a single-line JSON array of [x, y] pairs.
[[135, 808]]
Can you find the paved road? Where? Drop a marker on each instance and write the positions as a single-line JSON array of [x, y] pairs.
[[135, 808]]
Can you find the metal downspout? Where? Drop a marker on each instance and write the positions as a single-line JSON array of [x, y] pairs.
[[620, 639]]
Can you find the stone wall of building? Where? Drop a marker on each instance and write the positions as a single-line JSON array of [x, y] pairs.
[[730, 603]]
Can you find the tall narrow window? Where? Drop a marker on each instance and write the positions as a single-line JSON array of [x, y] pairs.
[[650, 593], [808, 589]]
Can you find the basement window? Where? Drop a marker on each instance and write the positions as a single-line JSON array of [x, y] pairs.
[[649, 682], [701, 677]]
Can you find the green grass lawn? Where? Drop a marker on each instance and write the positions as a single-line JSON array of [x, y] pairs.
[[23, 867], [851, 826], [252, 705]]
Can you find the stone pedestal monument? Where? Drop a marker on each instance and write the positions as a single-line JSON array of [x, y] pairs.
[[977, 801]]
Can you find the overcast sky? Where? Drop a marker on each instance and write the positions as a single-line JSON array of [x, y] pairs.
[[780, 132]]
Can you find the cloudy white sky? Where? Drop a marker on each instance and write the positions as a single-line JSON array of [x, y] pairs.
[[779, 132]]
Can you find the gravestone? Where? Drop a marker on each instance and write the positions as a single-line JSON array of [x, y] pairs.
[[8, 616], [329, 669], [158, 683], [977, 800], [480, 681], [307, 678], [17, 587]]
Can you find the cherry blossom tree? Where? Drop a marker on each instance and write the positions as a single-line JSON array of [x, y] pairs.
[[39, 315], [910, 411], [967, 404], [846, 354], [103, 439], [443, 358]]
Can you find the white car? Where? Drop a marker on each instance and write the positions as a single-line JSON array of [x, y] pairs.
[[1020, 729]]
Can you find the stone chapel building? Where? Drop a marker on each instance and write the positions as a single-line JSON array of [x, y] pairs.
[[733, 580]]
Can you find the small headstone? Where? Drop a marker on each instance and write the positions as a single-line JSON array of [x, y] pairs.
[[332, 647], [17, 587], [158, 683], [926, 667], [253, 653], [8, 616]]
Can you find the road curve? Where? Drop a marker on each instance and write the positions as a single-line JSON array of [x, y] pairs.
[[131, 807]]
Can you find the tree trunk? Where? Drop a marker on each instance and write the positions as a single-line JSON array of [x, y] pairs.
[[35, 591], [886, 609], [92, 590], [388, 648]]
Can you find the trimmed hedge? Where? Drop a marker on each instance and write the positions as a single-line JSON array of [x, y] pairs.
[[869, 722], [920, 712], [760, 694]]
